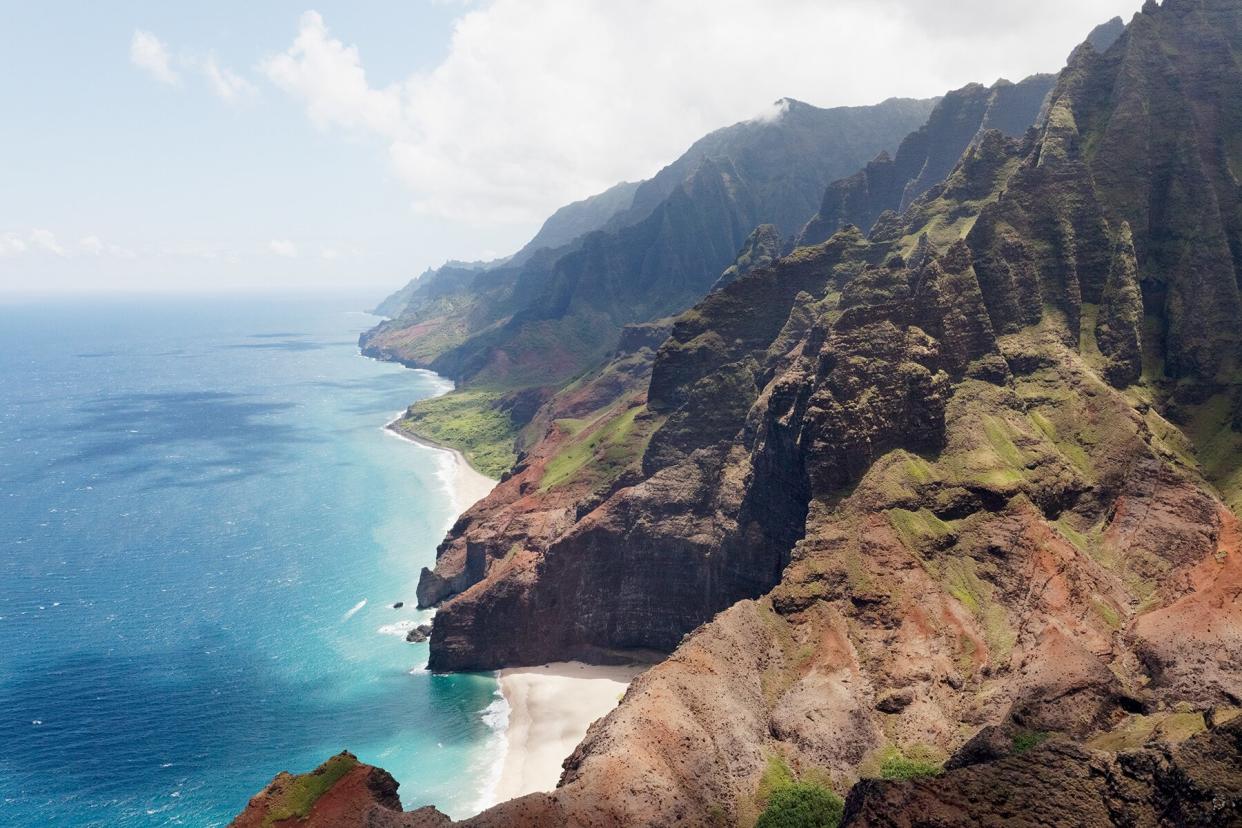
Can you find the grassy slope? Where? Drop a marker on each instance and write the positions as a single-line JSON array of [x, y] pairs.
[[468, 421], [305, 789]]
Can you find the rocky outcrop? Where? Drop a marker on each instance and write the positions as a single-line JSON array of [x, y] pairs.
[[1195, 783], [1120, 315], [762, 247], [340, 793], [927, 156]]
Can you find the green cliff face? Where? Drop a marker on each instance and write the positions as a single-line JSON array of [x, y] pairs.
[[547, 314], [927, 156]]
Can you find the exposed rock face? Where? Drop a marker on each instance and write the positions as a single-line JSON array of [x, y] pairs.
[[1196, 783], [1158, 111], [340, 793], [928, 155], [1106, 34], [762, 247], [1117, 328]]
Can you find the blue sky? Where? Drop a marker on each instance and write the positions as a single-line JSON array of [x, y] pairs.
[[362, 143], [92, 146]]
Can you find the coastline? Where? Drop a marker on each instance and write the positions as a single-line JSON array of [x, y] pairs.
[[550, 708], [541, 713], [467, 484]]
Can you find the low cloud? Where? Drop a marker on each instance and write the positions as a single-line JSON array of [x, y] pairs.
[[11, 245], [46, 240], [148, 52], [283, 247], [95, 246], [40, 240]]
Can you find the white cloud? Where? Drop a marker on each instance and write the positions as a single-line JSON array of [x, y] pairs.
[[39, 239], [95, 246], [328, 253], [46, 240], [153, 55], [328, 76], [227, 85], [148, 52], [540, 102], [283, 247], [11, 245]]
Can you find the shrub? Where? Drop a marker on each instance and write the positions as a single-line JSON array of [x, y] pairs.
[[903, 767], [1026, 739], [802, 805]]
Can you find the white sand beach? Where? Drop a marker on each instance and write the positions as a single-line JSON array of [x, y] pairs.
[[469, 485], [551, 706], [550, 709]]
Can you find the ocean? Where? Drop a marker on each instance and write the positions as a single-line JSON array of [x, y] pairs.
[[203, 529]]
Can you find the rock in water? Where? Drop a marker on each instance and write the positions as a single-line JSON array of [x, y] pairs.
[[419, 634]]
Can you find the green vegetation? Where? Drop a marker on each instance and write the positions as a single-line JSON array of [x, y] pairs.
[[1024, 740], [776, 775], [787, 801], [802, 805], [608, 448], [919, 529], [914, 763], [894, 762], [305, 790], [1111, 617], [470, 422], [1000, 436], [1218, 447], [1138, 730], [962, 582]]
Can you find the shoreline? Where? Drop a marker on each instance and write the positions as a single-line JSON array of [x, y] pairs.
[[550, 708], [467, 485]]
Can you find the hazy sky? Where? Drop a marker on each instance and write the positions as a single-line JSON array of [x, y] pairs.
[[223, 145]]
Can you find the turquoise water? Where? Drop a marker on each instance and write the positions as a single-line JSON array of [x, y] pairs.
[[196, 499]]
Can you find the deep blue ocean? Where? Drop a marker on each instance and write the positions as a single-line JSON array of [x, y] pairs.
[[203, 528]]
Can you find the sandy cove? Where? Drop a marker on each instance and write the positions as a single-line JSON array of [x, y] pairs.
[[550, 706], [550, 709]]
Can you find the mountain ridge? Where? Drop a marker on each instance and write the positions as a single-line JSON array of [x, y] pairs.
[[952, 497]]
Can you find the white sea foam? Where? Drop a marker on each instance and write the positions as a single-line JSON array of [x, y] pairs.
[[398, 627], [355, 609], [492, 755], [445, 470], [404, 625]]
